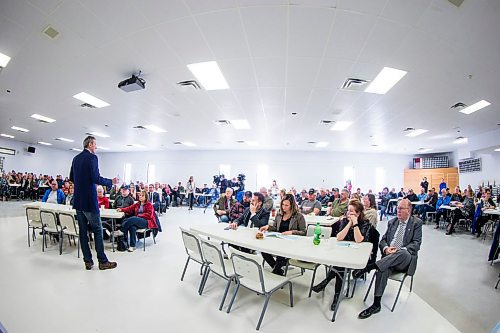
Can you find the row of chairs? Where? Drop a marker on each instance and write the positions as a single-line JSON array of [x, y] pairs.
[[247, 270], [62, 224]]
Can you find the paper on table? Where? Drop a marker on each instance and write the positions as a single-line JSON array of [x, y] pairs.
[[348, 244], [279, 235]]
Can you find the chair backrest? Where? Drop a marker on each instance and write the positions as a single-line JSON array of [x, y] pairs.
[[192, 245], [247, 266], [32, 214], [49, 219], [326, 232], [213, 256], [68, 222]]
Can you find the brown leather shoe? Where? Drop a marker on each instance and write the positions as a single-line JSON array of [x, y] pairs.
[[107, 265], [88, 265]]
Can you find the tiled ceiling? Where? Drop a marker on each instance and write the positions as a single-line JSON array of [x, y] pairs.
[[278, 56]]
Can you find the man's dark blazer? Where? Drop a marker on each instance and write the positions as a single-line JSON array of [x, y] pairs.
[[411, 240], [84, 174], [260, 219]]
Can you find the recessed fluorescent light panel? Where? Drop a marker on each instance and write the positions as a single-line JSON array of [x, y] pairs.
[[385, 80], [252, 143], [65, 140], [76, 149], [209, 75], [4, 60], [89, 99], [103, 148], [460, 140], [498, 149], [42, 118], [241, 124], [98, 134], [44, 143], [187, 143], [7, 136], [341, 125], [322, 144], [475, 107], [20, 129], [424, 150], [417, 132], [154, 128]]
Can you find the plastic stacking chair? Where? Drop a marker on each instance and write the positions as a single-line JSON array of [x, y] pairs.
[[400, 277], [251, 275], [50, 226], [144, 233], [305, 265], [69, 228], [216, 263], [193, 250], [34, 222]]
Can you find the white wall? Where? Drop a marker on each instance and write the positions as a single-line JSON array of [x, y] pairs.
[[290, 168], [45, 160]]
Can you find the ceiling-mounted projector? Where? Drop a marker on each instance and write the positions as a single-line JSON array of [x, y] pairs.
[[132, 84]]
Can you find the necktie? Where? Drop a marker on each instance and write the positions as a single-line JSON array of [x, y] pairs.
[[397, 242], [151, 197]]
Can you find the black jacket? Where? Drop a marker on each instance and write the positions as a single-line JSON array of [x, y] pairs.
[[260, 219]]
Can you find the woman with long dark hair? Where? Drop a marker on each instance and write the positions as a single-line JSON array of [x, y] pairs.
[[190, 187]]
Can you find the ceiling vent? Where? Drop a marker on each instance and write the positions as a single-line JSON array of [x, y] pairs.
[[50, 32], [240, 141], [354, 84], [457, 3], [312, 142], [139, 127], [326, 122], [189, 85], [177, 143], [222, 122], [87, 106], [408, 129], [458, 105]]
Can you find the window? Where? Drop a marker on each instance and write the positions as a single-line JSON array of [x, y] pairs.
[[225, 169], [128, 173], [263, 179], [151, 174]]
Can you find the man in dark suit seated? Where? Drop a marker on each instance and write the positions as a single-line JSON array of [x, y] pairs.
[[154, 197], [254, 216], [399, 247]]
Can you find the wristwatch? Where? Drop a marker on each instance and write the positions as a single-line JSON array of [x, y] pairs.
[[356, 225]]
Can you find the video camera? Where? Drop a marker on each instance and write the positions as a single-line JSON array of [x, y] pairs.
[[217, 180], [241, 178]]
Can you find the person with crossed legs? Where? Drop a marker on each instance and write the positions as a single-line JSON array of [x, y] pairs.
[[399, 245]]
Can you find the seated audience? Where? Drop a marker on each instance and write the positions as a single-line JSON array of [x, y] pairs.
[[141, 216], [487, 203], [124, 198], [370, 209], [114, 192], [154, 198], [339, 206], [422, 196], [311, 205], [411, 196], [102, 200], [254, 216], [54, 194], [457, 195], [354, 227], [69, 197], [444, 200], [399, 246], [384, 202], [401, 193], [239, 207], [466, 211], [268, 200], [223, 205], [429, 204], [289, 221]]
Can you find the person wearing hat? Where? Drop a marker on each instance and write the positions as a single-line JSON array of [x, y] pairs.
[[311, 205], [124, 199]]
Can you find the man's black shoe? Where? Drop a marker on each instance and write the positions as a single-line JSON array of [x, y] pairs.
[[369, 311]]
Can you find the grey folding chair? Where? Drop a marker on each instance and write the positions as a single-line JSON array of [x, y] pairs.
[[395, 276], [496, 286], [304, 265], [216, 263], [69, 228], [251, 275], [144, 233], [193, 250], [34, 222], [50, 226]]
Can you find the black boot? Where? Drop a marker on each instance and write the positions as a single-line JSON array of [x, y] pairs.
[[322, 285]]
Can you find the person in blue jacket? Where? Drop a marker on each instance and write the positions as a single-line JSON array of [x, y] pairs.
[[442, 185], [444, 200], [85, 175], [54, 195]]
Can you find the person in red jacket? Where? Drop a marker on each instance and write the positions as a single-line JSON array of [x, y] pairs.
[[102, 200], [141, 216]]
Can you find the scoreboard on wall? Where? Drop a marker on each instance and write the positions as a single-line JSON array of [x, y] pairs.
[[469, 165]]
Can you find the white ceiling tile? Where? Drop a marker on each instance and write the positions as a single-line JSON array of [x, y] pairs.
[[383, 42], [202, 6], [12, 37], [225, 99], [162, 11], [239, 73], [315, 3], [224, 34], [372, 7], [296, 99], [343, 100], [249, 3], [273, 97], [405, 11], [270, 72], [319, 103], [333, 73], [349, 34], [308, 31], [249, 99], [185, 39], [46, 6], [266, 30], [301, 72]]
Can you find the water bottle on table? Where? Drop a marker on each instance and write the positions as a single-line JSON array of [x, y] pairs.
[[317, 234]]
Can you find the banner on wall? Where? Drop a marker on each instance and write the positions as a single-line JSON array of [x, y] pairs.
[[470, 165]]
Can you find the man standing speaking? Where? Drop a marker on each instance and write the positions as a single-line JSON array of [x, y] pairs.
[[84, 174]]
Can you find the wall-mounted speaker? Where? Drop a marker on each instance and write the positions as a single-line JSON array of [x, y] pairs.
[[31, 149]]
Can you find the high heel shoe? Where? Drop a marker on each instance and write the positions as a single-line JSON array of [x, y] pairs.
[[320, 286]]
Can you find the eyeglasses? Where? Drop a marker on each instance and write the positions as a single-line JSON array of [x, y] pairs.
[[402, 208]]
